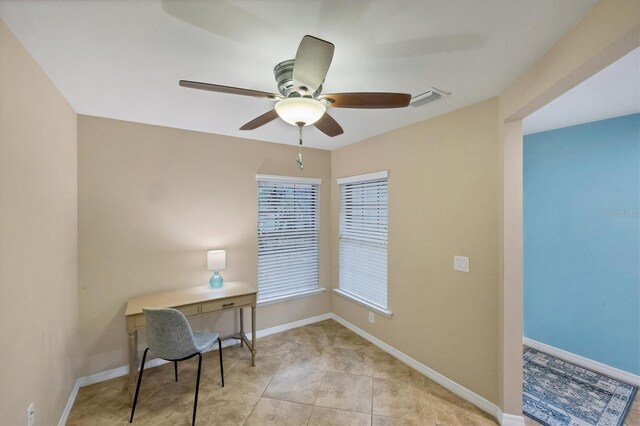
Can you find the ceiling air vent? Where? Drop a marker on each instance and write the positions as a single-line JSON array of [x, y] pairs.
[[427, 97]]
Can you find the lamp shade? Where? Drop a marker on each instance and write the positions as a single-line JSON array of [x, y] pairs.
[[300, 110], [216, 260]]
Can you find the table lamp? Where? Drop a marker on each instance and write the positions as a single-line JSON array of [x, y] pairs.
[[216, 261]]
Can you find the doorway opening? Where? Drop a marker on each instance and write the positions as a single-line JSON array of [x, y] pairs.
[[581, 252]]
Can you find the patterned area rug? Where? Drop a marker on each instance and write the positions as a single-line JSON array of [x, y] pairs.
[[558, 393]]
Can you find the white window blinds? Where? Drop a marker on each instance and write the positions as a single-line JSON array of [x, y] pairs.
[[288, 241], [363, 237]]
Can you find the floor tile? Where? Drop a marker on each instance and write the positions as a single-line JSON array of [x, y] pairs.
[[448, 413], [633, 418], [170, 404], [528, 421], [187, 373], [387, 366], [295, 385], [321, 416], [345, 392], [288, 336], [154, 377], [271, 412], [476, 416], [317, 336], [223, 410], [102, 403], [97, 414], [348, 339], [390, 421], [250, 380], [271, 346], [112, 392], [307, 356], [95, 419], [399, 399], [439, 394], [350, 360]]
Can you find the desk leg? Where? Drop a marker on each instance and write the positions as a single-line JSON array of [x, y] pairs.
[[241, 325], [253, 336], [133, 363]]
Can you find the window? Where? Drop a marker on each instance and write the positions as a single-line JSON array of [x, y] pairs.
[[288, 240], [363, 240]]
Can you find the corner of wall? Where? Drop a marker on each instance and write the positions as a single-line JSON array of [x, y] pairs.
[[38, 220]]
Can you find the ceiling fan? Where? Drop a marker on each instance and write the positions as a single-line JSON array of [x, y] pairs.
[[301, 102]]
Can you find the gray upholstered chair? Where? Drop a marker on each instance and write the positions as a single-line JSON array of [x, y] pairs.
[[169, 337]]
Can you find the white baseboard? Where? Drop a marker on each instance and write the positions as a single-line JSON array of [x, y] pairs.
[[589, 364], [511, 420], [291, 325], [454, 387], [70, 401]]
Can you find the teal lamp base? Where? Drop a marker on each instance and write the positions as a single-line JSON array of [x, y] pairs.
[[216, 280]]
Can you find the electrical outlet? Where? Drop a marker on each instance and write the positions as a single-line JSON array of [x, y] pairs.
[[31, 414], [371, 317], [461, 263]]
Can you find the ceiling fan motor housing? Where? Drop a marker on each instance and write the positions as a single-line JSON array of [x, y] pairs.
[[283, 73]]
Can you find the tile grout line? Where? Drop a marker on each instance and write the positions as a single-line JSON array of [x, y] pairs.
[[276, 399], [251, 412], [433, 412], [372, 372], [319, 387]]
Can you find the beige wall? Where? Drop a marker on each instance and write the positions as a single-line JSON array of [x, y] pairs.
[[38, 240], [152, 201], [608, 32], [443, 201]]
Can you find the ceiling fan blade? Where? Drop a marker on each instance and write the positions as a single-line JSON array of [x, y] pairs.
[[312, 63], [228, 89], [265, 118], [368, 100], [222, 18], [329, 126]]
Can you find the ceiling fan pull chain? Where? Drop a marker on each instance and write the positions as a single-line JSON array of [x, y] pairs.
[[299, 159]]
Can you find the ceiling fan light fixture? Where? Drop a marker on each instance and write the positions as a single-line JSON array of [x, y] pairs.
[[300, 110]]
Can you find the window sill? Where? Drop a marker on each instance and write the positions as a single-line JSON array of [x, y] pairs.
[[288, 297], [360, 301]]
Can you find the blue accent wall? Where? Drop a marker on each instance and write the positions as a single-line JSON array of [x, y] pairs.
[[582, 240]]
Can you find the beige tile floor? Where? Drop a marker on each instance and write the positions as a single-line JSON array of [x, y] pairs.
[[320, 374]]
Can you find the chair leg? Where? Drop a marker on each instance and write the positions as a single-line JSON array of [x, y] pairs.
[[175, 369], [195, 403], [220, 354], [135, 398]]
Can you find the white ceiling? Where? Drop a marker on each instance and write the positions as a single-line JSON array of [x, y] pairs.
[[123, 59], [613, 92]]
